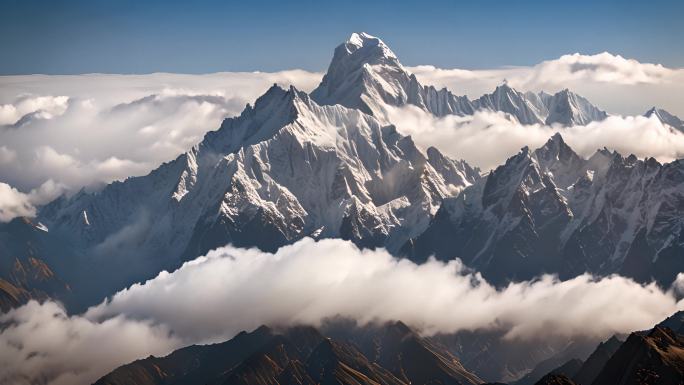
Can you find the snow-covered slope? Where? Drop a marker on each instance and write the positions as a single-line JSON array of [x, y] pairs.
[[508, 100], [666, 118], [552, 211], [569, 109]]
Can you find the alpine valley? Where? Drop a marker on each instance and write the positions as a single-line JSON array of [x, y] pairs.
[[331, 164]]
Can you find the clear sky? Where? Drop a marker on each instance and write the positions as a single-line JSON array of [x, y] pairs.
[[135, 36]]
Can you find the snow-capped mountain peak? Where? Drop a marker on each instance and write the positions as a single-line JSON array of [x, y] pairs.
[[666, 118], [363, 74], [558, 159], [568, 109], [370, 46], [508, 100]]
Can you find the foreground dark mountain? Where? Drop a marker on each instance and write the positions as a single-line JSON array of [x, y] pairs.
[[391, 355], [655, 358], [573, 365], [593, 365], [645, 358], [495, 358]]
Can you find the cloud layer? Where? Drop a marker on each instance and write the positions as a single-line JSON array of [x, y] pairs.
[[214, 297], [486, 139]]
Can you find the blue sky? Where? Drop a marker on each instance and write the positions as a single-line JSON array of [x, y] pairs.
[[125, 36]]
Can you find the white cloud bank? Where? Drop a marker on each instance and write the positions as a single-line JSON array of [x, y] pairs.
[[42, 345], [615, 84], [214, 297], [486, 139]]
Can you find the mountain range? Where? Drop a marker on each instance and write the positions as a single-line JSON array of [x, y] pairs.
[[366, 75], [330, 164], [549, 210]]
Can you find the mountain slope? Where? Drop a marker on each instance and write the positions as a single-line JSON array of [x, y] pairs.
[[666, 118], [403, 352], [299, 355], [549, 211], [655, 358], [284, 169], [593, 365]]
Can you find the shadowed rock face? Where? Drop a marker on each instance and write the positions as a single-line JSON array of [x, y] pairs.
[[302, 356], [653, 358], [596, 361]]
